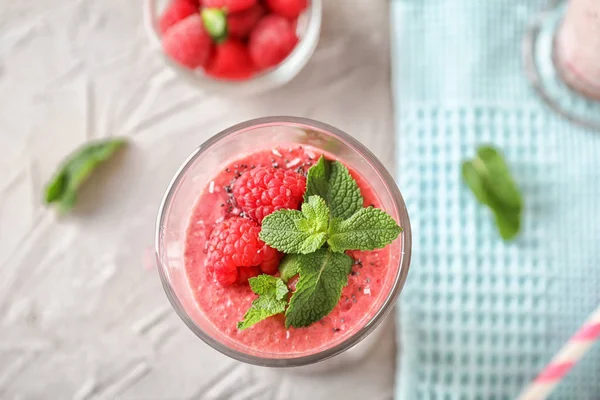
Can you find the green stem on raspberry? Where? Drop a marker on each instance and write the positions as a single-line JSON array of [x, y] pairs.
[[215, 23]]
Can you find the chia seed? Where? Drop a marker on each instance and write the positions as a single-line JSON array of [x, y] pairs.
[[335, 330], [228, 189], [227, 170], [222, 204], [368, 280], [275, 165]]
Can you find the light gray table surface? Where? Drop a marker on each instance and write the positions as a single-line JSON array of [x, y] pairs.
[[82, 312]]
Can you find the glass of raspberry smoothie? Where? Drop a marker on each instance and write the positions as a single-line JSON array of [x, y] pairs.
[[208, 243], [562, 59]]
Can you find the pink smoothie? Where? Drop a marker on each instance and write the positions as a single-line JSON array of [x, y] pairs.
[[578, 47], [369, 284]]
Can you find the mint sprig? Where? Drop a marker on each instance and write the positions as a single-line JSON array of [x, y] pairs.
[[368, 229], [490, 180], [272, 300], [289, 266], [331, 221], [323, 275], [293, 231], [332, 181]]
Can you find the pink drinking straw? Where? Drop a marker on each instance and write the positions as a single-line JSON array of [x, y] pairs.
[[566, 358]]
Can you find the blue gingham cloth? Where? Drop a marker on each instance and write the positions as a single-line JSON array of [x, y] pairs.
[[478, 317]]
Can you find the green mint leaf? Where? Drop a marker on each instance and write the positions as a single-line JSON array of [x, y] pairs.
[[293, 231], [267, 285], [313, 243], [289, 266], [490, 180], [368, 229], [317, 213], [272, 300], [491, 164], [215, 23], [261, 308], [317, 179], [280, 230], [332, 181], [63, 187], [56, 188], [323, 275], [508, 223]]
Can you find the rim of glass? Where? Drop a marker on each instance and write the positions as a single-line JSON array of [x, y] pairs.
[[377, 318]]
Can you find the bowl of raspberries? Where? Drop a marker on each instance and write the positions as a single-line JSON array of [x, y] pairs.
[[235, 45]]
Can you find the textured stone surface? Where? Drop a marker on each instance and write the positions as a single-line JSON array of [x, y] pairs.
[[82, 313]]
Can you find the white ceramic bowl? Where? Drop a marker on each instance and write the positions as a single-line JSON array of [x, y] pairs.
[[309, 29]]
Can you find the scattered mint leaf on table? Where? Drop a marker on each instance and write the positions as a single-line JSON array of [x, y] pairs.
[[368, 229], [332, 220], [272, 300], [332, 181], [323, 275], [63, 187], [490, 180], [215, 23], [293, 231]]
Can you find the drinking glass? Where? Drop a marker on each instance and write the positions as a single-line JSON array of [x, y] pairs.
[[198, 170], [562, 59]]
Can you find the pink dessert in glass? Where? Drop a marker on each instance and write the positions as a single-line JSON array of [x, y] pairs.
[[201, 196]]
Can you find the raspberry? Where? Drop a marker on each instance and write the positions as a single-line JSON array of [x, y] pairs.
[[175, 12], [271, 41], [261, 191], [236, 253], [229, 5], [230, 61], [246, 273], [188, 43], [240, 24], [270, 264], [288, 8]]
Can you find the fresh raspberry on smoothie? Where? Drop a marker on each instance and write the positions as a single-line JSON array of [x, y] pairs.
[[234, 246], [262, 191]]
